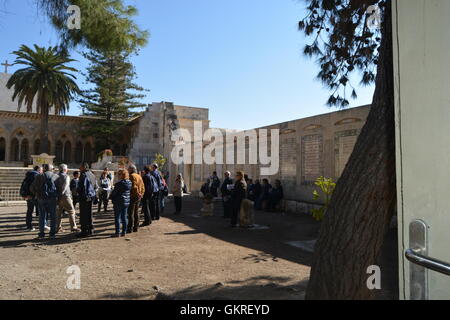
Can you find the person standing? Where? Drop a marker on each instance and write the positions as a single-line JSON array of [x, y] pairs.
[[120, 197], [74, 186], [151, 192], [137, 193], [32, 202], [105, 187], [44, 188], [215, 184], [65, 201], [238, 193], [255, 192], [226, 195], [87, 191], [178, 193], [276, 194], [163, 194], [263, 200], [158, 195]]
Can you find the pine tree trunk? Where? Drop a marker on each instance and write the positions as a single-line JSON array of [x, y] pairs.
[[364, 201], [44, 130]]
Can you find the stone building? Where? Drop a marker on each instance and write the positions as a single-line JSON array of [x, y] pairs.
[[309, 147]]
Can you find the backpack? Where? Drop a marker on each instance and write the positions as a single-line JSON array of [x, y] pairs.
[[48, 188], [88, 193], [151, 186], [26, 184], [159, 180], [25, 188]]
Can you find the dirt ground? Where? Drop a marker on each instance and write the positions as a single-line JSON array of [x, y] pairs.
[[184, 257]]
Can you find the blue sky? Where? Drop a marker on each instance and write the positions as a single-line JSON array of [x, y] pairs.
[[240, 58]]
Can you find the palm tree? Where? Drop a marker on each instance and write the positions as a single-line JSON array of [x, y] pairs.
[[46, 77]]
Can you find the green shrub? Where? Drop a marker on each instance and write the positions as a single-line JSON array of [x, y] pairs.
[[326, 189]]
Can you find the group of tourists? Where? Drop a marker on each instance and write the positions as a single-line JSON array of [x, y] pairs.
[[241, 194], [51, 194]]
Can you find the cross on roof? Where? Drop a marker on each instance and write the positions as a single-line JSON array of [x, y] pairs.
[[6, 64]]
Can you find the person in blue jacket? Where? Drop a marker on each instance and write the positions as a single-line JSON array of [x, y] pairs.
[[121, 198]]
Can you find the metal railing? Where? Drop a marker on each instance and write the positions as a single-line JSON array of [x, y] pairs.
[[10, 194]]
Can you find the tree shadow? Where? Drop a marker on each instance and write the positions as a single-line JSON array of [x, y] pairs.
[[261, 257], [125, 295], [270, 244], [256, 288]]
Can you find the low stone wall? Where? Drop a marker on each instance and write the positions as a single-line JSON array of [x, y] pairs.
[[291, 206], [11, 179]]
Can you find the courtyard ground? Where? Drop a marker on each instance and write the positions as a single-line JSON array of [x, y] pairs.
[[186, 257]]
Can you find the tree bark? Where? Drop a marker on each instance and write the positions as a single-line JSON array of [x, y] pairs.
[[364, 201], [44, 130]]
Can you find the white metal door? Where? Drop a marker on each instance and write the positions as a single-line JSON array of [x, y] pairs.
[[421, 35]]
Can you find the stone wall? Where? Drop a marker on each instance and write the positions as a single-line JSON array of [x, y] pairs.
[[309, 148]]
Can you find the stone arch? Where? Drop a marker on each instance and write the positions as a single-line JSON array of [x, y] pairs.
[[37, 145], [347, 121], [312, 127], [15, 150], [67, 156], [19, 133], [79, 152], [24, 150], [88, 152], [59, 149]]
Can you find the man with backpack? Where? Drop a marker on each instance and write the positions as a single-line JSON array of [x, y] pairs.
[[25, 192], [150, 199], [44, 188], [87, 191]]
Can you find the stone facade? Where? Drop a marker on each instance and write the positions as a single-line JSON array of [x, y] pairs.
[[309, 148], [19, 139]]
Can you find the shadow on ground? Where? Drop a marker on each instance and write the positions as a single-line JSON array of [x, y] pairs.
[[258, 288], [270, 243]]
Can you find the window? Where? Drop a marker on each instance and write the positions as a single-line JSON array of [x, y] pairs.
[[2, 149], [14, 150], [88, 152], [67, 152], [24, 150], [37, 147], [79, 153], [59, 151]]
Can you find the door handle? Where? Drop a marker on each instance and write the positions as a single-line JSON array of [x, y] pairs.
[[427, 262]]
